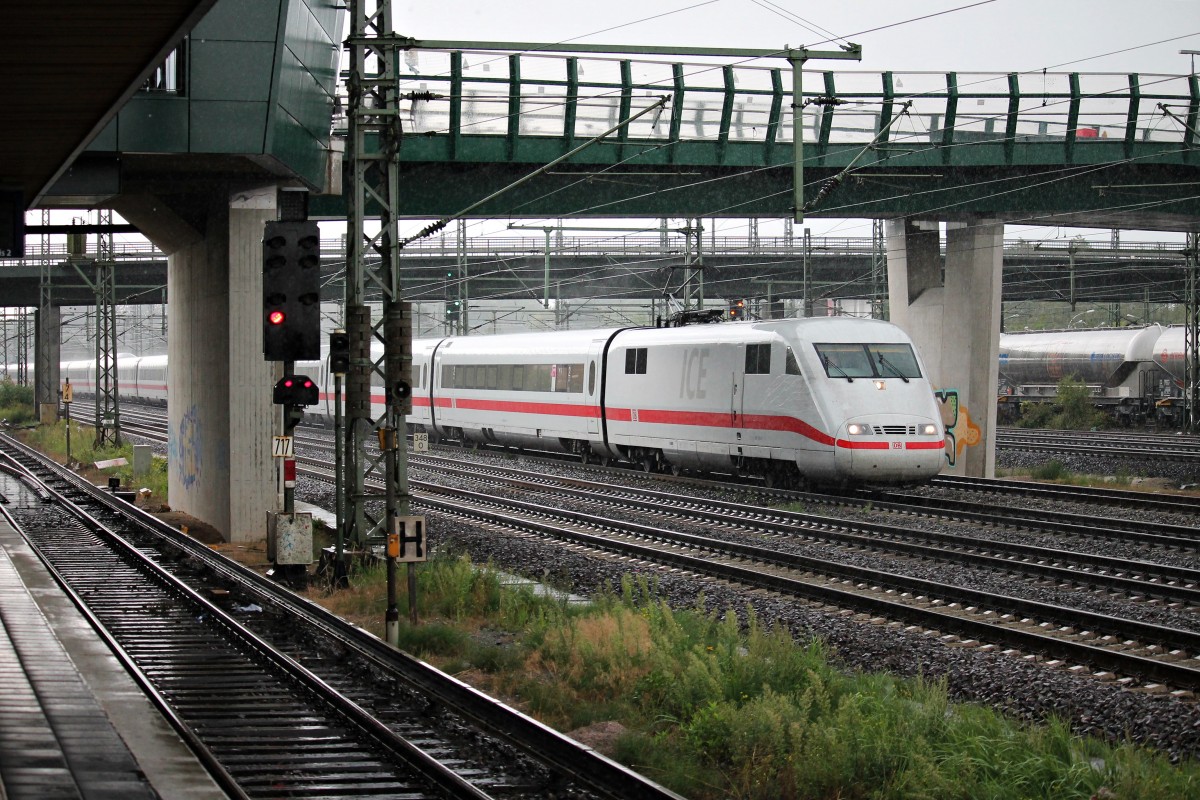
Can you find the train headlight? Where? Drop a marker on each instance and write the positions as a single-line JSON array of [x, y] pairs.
[[929, 429], [857, 429]]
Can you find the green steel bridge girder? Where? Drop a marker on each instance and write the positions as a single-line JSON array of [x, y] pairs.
[[1158, 190], [1102, 149]]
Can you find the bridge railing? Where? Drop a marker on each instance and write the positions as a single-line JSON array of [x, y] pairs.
[[538, 94]]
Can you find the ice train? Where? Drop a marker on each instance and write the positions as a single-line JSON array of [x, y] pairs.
[[823, 400]]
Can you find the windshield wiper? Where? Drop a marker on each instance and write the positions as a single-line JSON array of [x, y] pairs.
[[883, 362], [845, 374]]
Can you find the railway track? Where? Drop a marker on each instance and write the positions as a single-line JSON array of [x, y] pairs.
[[1104, 641], [279, 697], [755, 547], [1113, 444]]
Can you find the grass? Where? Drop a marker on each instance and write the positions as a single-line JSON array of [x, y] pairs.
[[717, 706]]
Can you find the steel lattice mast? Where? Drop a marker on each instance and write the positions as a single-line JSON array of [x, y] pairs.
[[373, 270], [1191, 334], [108, 413]]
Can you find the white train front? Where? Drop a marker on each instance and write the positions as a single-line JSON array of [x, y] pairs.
[[823, 400]]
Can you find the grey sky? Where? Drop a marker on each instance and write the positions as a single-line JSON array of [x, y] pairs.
[[1004, 35], [998, 36]]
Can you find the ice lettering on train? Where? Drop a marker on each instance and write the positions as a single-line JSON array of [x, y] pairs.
[[695, 372]]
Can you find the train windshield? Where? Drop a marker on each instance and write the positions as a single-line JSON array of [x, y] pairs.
[[854, 360], [894, 360]]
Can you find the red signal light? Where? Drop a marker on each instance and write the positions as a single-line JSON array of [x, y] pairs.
[[288, 383], [275, 317]]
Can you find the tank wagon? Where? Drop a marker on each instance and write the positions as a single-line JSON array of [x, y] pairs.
[[1133, 374]]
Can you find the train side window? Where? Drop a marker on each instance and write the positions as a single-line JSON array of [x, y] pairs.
[[592, 378], [574, 378], [518, 377], [537, 378], [504, 380], [492, 378], [791, 365], [758, 359], [635, 361]]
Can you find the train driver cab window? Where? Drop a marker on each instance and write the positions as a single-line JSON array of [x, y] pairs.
[[894, 360], [848, 360], [635, 361], [791, 365], [758, 359]]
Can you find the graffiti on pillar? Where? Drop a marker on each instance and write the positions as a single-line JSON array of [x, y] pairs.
[[961, 432], [185, 448]]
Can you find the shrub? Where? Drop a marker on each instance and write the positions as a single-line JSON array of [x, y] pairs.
[[1072, 409], [16, 403], [1052, 470]]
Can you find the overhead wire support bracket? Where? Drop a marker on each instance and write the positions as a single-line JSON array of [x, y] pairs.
[[833, 183], [1166, 110]]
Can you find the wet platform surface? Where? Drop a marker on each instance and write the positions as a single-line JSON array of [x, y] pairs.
[[73, 724]]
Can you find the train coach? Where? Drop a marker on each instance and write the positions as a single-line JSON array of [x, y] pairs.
[[141, 378], [830, 400], [822, 401], [1133, 374]]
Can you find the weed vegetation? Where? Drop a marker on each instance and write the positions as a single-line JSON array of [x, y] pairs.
[[1057, 472], [52, 440], [16, 403], [1073, 409], [714, 706]]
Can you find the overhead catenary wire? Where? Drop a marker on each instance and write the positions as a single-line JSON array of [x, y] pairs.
[[668, 144], [586, 211], [961, 86]]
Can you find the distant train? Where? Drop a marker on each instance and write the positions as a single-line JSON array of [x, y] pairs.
[[823, 400], [1134, 374]]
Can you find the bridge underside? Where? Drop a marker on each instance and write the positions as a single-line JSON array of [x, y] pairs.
[[841, 269], [1115, 195]]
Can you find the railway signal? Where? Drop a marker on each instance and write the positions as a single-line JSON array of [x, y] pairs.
[[339, 352], [291, 291], [737, 309], [296, 390], [398, 369]]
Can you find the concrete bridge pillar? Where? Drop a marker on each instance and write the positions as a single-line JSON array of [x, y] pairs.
[[219, 396], [47, 354], [952, 312]]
